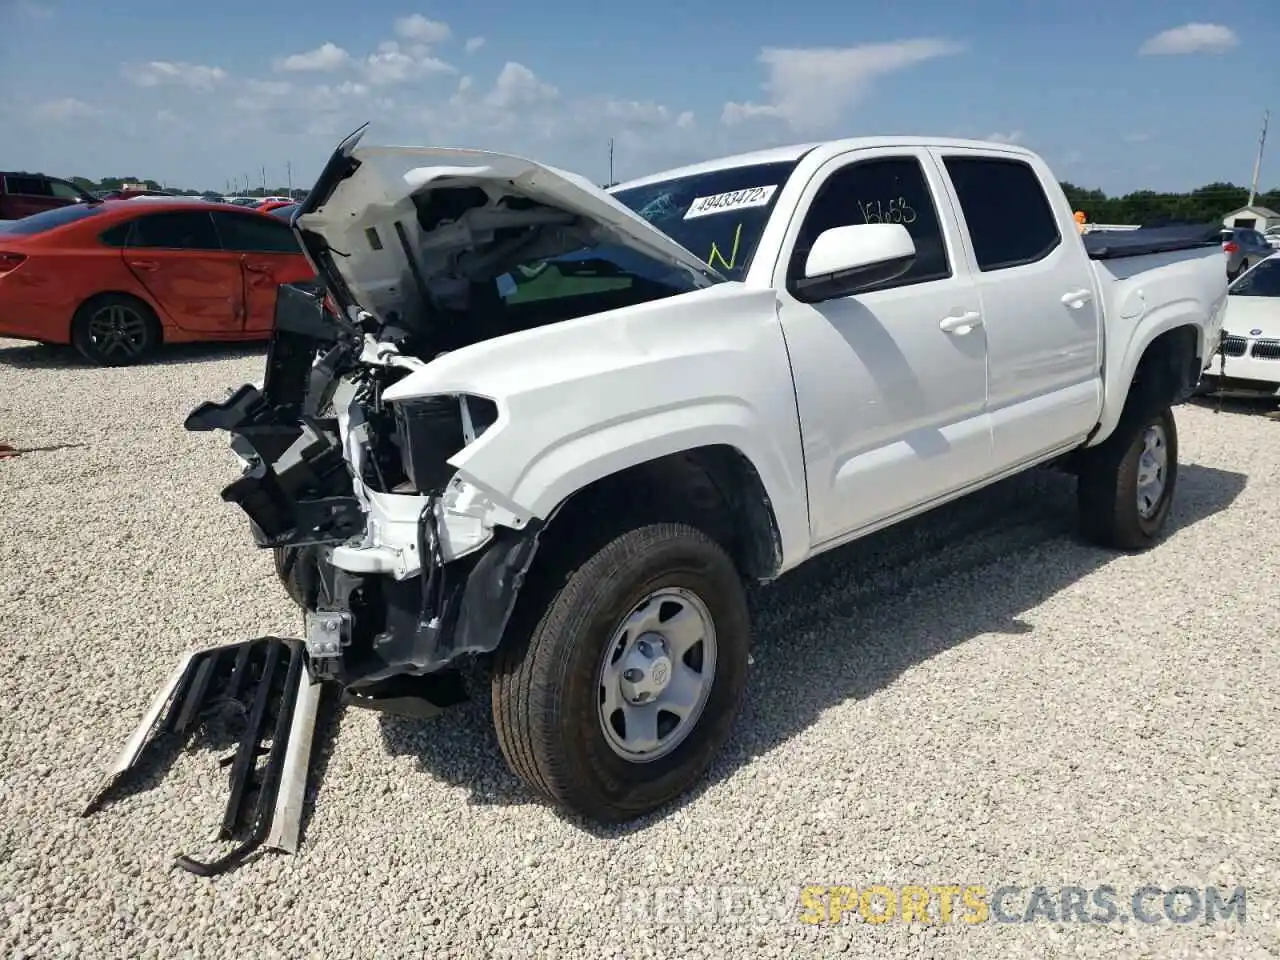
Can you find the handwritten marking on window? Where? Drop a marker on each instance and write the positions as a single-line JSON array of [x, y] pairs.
[[715, 253], [897, 211]]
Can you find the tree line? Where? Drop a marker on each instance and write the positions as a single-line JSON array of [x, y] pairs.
[[1205, 204]]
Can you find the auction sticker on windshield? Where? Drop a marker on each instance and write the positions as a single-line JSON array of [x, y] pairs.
[[733, 200]]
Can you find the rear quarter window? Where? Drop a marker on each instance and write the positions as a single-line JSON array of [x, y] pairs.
[[1008, 215]]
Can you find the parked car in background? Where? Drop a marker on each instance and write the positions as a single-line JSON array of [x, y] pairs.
[[263, 201], [22, 194], [1251, 328], [274, 203], [1244, 247], [115, 280], [1273, 236]]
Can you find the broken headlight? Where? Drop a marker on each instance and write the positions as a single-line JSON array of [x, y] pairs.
[[430, 430]]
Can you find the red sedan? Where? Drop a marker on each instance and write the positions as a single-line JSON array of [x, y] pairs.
[[118, 278]]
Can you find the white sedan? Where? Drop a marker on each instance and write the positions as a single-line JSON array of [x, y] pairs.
[[1251, 331]]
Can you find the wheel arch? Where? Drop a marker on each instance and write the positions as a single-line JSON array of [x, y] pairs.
[[714, 487], [1165, 370]]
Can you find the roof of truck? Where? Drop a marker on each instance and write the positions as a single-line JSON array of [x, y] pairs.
[[794, 152]]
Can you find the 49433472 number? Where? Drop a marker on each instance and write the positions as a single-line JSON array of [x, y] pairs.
[[896, 210]]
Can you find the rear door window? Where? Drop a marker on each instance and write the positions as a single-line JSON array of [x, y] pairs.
[[28, 186], [1010, 221], [176, 230], [254, 233]]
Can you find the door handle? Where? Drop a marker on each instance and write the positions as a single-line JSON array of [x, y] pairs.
[[962, 323], [1077, 298], [258, 267], [145, 264]]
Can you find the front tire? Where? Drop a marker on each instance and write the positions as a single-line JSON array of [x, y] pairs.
[[1127, 484], [620, 696]]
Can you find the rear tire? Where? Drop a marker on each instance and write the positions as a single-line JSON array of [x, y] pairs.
[[115, 330], [1127, 483], [561, 708]]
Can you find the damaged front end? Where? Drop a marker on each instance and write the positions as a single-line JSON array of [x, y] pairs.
[[401, 567]]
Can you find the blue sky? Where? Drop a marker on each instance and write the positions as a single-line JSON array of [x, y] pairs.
[[1120, 95]]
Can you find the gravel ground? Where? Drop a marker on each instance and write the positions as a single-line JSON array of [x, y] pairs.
[[974, 698]]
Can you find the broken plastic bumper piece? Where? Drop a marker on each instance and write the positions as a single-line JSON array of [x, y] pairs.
[[261, 687]]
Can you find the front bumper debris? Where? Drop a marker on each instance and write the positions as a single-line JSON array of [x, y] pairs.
[[262, 687]]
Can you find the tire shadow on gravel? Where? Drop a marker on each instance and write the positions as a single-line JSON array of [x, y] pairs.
[[41, 356], [856, 614]]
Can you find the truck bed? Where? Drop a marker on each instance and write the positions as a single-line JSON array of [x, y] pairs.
[[1113, 244]]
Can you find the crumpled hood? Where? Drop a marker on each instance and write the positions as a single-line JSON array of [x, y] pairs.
[[376, 187]]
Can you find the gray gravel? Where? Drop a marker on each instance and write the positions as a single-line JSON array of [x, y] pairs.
[[975, 698]]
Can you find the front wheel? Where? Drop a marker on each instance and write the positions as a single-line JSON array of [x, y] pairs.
[[1127, 483], [619, 698]]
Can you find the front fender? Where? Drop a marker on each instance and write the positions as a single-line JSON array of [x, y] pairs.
[[583, 399]]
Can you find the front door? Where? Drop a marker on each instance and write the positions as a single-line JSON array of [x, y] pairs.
[[177, 257], [891, 384], [270, 255]]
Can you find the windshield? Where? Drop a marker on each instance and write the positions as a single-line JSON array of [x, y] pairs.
[[1262, 281], [718, 216], [285, 212], [49, 219]]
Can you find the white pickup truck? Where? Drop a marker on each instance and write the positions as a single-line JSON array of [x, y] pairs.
[[559, 430]]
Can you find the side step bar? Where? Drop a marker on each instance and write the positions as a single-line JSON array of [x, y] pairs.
[[262, 685]]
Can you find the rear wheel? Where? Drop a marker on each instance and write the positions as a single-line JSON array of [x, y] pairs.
[[1127, 483], [115, 330], [620, 696]]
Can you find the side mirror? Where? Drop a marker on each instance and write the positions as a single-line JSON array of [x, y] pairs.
[[844, 260]]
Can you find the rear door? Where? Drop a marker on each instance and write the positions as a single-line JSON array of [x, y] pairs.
[[269, 256], [25, 195], [176, 255], [1039, 307]]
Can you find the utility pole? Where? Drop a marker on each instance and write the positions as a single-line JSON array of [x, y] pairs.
[[264, 180], [1257, 164], [611, 161], [288, 169]]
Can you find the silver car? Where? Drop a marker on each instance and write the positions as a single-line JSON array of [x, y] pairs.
[[1244, 247]]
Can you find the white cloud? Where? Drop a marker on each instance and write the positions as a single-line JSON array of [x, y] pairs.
[[1013, 136], [419, 28], [813, 88], [392, 64], [166, 116], [1137, 137], [1191, 38], [517, 85], [327, 56], [473, 44], [67, 108], [168, 73]]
